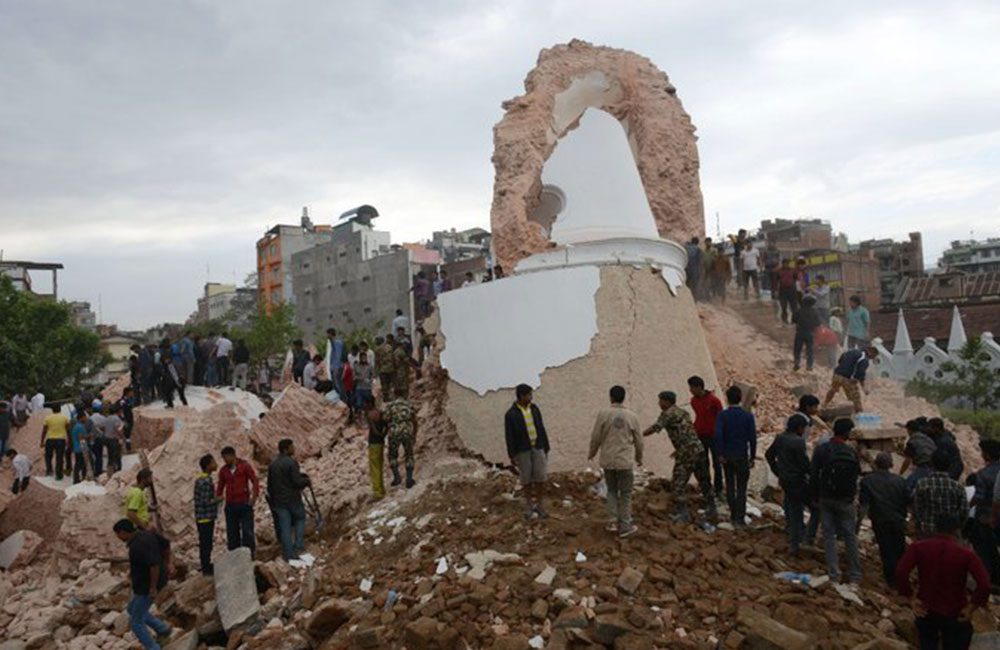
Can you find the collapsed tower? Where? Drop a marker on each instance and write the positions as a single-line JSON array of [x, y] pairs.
[[596, 182]]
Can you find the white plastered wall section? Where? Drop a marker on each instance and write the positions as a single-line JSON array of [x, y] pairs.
[[647, 339]]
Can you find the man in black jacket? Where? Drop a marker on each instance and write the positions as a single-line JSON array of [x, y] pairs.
[[787, 458], [884, 498], [528, 448], [148, 569], [284, 488]]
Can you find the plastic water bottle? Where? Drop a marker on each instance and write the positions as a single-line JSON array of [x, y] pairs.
[[391, 599]]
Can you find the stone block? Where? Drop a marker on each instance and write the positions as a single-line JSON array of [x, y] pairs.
[[19, 549], [236, 588], [186, 641], [765, 633], [629, 580], [327, 618]]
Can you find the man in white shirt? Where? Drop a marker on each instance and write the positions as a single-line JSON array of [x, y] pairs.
[[38, 402], [310, 371], [750, 257], [223, 346], [22, 470], [400, 321]]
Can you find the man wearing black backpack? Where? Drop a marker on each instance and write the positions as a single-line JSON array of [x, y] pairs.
[[834, 476]]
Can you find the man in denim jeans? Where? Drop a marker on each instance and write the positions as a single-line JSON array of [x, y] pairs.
[[834, 474], [235, 480], [284, 488], [149, 575]]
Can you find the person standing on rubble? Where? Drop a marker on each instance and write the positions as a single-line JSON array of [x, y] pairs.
[[402, 361], [707, 407], [148, 570], [126, 406], [223, 348], [736, 446], [917, 453], [689, 457], [858, 323], [944, 439], [285, 483], [137, 508], [187, 357], [401, 424], [849, 376], [238, 483], [707, 269], [376, 446], [942, 609], [787, 297], [789, 461], [528, 448], [171, 381], [55, 431], [383, 364], [692, 270], [749, 258], [364, 377], [885, 499], [722, 273], [206, 511], [980, 529], [300, 359], [834, 476], [806, 321], [618, 436], [6, 420], [241, 364], [938, 494], [112, 438], [337, 355]]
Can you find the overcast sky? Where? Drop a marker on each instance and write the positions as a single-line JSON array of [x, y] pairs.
[[147, 145]]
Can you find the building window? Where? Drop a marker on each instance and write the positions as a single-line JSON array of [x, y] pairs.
[[309, 319], [273, 250], [368, 310], [366, 278], [305, 265], [343, 283]]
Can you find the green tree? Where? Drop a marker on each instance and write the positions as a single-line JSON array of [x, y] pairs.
[[41, 347], [269, 334], [968, 379]]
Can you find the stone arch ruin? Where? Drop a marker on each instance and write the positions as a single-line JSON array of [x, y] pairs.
[[568, 80]]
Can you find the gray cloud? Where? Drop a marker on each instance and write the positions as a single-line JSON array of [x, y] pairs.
[[142, 140]]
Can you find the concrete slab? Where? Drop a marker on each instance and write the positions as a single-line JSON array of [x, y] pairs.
[[236, 588]]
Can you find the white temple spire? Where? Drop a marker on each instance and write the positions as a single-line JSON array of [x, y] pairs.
[[902, 345], [957, 338]]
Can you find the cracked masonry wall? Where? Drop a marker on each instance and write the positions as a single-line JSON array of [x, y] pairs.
[[648, 340]]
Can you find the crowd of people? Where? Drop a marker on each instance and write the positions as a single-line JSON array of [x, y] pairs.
[[804, 300], [923, 501]]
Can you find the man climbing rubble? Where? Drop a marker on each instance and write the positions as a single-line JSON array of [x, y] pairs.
[[148, 570], [376, 446], [401, 424], [285, 483], [383, 364], [885, 499], [707, 406], [789, 461], [849, 376], [137, 508], [618, 436], [528, 448], [22, 470], [689, 457]]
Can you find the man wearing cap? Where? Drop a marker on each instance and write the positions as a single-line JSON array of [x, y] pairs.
[[689, 457], [788, 459], [884, 498]]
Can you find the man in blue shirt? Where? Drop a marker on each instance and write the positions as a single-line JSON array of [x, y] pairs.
[[736, 446], [849, 375]]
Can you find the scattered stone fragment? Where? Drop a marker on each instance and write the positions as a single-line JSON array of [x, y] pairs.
[[235, 588], [547, 575], [629, 580], [327, 618]]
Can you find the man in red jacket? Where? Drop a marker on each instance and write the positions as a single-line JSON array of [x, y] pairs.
[[235, 480], [706, 408], [942, 605]]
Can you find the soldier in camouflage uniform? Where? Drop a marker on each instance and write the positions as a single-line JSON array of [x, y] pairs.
[[402, 361], [384, 366], [689, 456], [401, 424]]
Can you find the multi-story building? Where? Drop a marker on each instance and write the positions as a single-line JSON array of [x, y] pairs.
[[274, 257], [221, 301], [459, 245], [83, 315], [18, 272], [896, 260], [972, 256], [798, 234], [356, 279], [847, 274]]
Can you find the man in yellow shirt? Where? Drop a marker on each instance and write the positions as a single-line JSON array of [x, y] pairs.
[[54, 434], [136, 504]]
